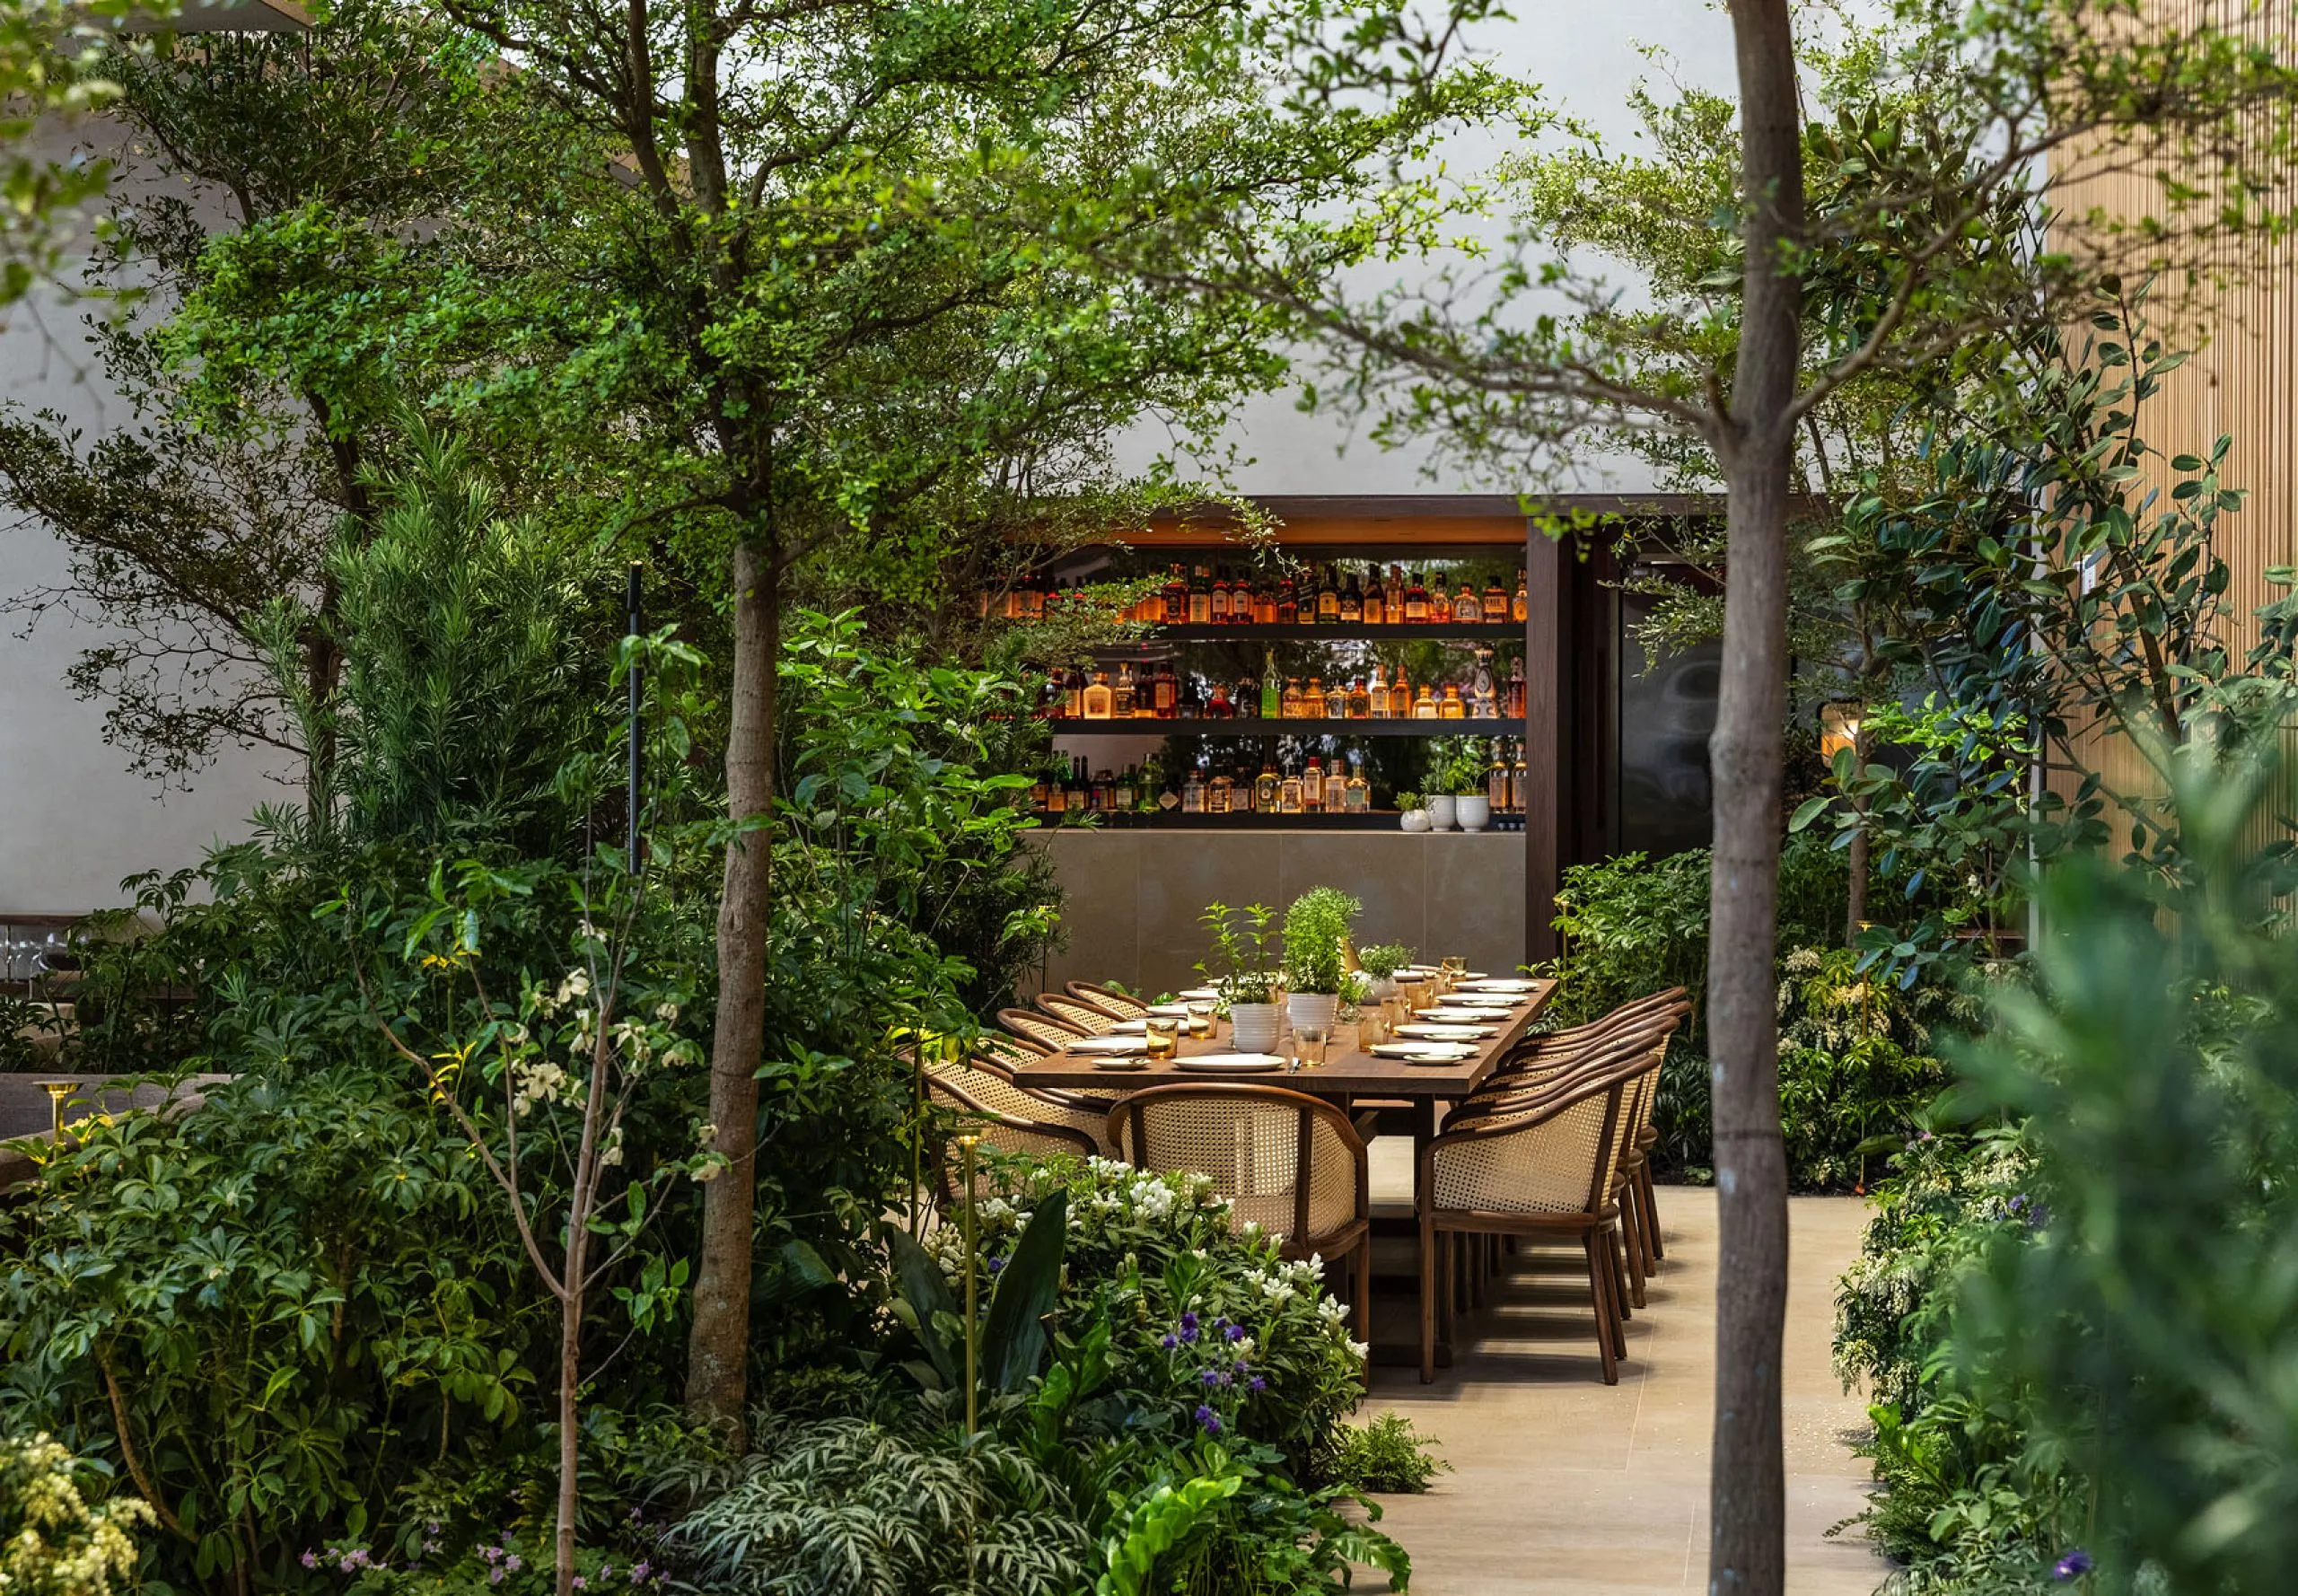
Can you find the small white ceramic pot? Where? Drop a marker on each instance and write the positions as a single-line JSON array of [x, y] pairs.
[[1413, 819], [1313, 1008], [1443, 811], [1475, 813], [1252, 1027]]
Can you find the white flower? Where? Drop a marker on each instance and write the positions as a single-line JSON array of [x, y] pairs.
[[667, 1013], [610, 1154], [706, 1135], [1358, 1349]]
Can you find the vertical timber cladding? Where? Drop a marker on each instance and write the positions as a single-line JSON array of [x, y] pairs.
[[2238, 311]]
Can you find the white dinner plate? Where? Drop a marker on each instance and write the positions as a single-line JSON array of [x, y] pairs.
[[1446, 1033], [1229, 1064], [1500, 984], [1108, 1044], [1425, 1052], [1128, 1028], [1200, 994], [1172, 1010]]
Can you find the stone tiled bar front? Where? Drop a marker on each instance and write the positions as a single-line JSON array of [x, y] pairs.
[[1134, 898]]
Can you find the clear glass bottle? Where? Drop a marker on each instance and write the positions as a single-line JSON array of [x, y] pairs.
[[1519, 796], [1122, 703], [1165, 693], [1452, 708], [1360, 702], [1423, 708], [1293, 698], [1218, 613], [1201, 597], [1358, 797], [1517, 708], [1486, 704], [1495, 778], [1312, 787], [1265, 789], [1376, 700], [1193, 794], [1098, 701], [1288, 794], [1335, 789], [1216, 798], [1123, 802]]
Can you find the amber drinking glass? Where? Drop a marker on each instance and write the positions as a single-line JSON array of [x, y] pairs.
[[1200, 1020], [1163, 1032]]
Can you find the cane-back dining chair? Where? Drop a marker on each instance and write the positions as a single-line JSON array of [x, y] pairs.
[[1116, 1003], [1033, 1026], [1075, 1012]]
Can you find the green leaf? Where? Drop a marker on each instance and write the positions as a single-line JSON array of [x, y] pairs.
[[926, 1293], [1014, 1340], [1810, 809]]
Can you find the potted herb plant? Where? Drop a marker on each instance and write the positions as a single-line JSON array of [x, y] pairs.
[[1379, 962], [1456, 786], [1414, 818], [1242, 968], [1316, 968]]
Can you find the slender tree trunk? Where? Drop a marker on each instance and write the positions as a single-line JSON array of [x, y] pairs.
[[570, 1383], [1854, 897], [718, 1349], [1746, 1488]]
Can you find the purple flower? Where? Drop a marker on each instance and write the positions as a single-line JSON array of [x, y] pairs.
[[490, 1553], [634, 1515], [1236, 1332], [1209, 1377], [638, 1574], [995, 1263], [1208, 1420], [581, 1584], [1257, 1384], [2074, 1565], [1169, 1342], [605, 1570], [514, 1562], [495, 1578], [431, 1526], [1241, 1365], [1188, 1327], [311, 1560]]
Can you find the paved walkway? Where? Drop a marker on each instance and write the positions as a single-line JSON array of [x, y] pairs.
[[1564, 1485]]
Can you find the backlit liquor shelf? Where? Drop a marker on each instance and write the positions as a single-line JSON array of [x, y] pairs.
[[1253, 726], [1373, 819], [1349, 632]]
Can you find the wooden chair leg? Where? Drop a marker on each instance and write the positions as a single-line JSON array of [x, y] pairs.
[[1427, 1299], [1631, 1235], [1472, 1262], [1651, 1195], [1447, 1270], [1619, 1292], [1600, 1288]]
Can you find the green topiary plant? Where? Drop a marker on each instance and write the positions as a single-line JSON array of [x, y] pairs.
[[1383, 959], [1316, 928]]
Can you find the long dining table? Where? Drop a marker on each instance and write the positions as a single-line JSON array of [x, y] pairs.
[[1346, 1078]]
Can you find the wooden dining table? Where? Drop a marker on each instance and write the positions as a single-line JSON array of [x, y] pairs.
[[1346, 1078]]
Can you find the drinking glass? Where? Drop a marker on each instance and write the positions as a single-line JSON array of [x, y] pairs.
[[1456, 966], [1309, 1045], [1200, 1019], [1415, 994], [1163, 1032]]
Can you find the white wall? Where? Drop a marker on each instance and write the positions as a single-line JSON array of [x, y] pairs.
[[73, 819]]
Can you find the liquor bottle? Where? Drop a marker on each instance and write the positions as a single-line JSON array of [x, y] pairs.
[[1440, 603], [1312, 787], [1288, 794], [1358, 797], [1219, 707], [1524, 605], [1055, 786], [1416, 602], [1099, 702], [1496, 602], [1313, 706], [1176, 598], [1352, 602], [1247, 698], [1400, 697], [1264, 602], [1518, 706], [1451, 708], [1293, 698], [1073, 696], [1266, 786], [1288, 607], [1121, 702], [1335, 789], [1468, 609], [1125, 788], [1272, 696], [1486, 704], [1098, 793], [1219, 615], [1376, 701], [1360, 702], [1218, 795], [1423, 708], [1376, 600], [1164, 692], [1193, 794], [1201, 597], [1519, 796], [1328, 599], [1495, 778]]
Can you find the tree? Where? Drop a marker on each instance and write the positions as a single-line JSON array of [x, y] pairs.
[[360, 140], [1516, 364], [835, 312]]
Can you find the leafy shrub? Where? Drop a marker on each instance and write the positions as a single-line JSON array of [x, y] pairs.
[[53, 1540], [1316, 927], [1386, 1454], [1854, 1066]]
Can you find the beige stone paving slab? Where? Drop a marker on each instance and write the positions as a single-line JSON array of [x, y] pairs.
[[1562, 1485]]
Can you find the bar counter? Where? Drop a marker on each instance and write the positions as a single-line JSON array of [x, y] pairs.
[[1133, 897]]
